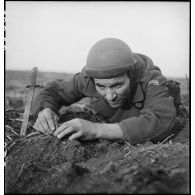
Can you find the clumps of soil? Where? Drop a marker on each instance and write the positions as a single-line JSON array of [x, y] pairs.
[[41, 163], [181, 121]]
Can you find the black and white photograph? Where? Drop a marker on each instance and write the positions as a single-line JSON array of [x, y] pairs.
[[97, 97]]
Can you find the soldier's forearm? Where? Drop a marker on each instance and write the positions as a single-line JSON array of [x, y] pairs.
[[109, 131]]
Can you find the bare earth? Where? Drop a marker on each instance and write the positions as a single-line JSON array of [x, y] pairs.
[[43, 164]]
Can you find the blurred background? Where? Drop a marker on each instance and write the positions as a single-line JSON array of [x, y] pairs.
[[57, 36]]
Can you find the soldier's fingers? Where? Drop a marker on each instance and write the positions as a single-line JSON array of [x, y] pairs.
[[35, 126], [60, 128], [38, 127], [55, 121], [51, 124], [65, 132], [50, 121], [75, 136], [44, 124], [56, 124], [52, 118]]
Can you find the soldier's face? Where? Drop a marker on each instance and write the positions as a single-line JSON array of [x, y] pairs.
[[115, 90]]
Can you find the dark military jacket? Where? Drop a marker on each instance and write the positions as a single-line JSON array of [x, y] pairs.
[[149, 115]]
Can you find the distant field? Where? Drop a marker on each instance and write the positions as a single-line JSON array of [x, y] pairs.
[[16, 81], [19, 79]]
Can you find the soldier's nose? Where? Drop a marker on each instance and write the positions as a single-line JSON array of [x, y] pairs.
[[110, 95]]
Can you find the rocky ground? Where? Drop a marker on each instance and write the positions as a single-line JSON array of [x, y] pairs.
[[41, 163]]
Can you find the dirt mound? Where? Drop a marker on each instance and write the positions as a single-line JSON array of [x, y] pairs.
[[41, 163]]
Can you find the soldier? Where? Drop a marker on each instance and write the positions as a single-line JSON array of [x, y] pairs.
[[125, 87]]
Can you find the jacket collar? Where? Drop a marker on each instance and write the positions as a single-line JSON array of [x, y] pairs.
[[137, 72], [139, 93]]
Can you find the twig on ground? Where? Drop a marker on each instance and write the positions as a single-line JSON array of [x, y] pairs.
[[20, 170], [18, 119], [11, 145], [7, 136], [31, 134], [30, 125], [15, 119], [11, 129], [11, 109], [131, 146], [108, 167], [128, 153], [166, 139], [5, 152]]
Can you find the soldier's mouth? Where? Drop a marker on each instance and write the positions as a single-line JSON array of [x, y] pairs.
[[114, 102]]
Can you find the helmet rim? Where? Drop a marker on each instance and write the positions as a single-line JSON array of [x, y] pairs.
[[107, 72], [109, 57]]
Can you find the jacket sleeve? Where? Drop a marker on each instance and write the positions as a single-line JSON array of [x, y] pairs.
[[155, 119], [60, 92]]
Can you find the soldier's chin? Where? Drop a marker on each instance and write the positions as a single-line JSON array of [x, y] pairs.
[[114, 105]]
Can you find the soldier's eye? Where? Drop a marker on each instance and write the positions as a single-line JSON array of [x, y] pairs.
[[118, 86], [101, 87]]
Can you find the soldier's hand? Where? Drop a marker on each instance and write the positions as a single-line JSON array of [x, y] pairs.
[[47, 121], [77, 129]]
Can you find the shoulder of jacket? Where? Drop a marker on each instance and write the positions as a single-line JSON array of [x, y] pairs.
[[146, 62], [152, 78]]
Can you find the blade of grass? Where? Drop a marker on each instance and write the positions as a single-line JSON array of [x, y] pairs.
[[187, 81], [12, 130]]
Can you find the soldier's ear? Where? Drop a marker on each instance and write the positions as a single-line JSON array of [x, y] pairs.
[[129, 76]]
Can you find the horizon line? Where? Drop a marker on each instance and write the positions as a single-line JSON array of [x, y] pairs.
[[66, 72]]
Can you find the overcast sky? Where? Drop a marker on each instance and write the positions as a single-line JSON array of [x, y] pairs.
[[57, 36]]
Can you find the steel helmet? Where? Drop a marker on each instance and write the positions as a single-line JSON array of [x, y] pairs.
[[108, 58]]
